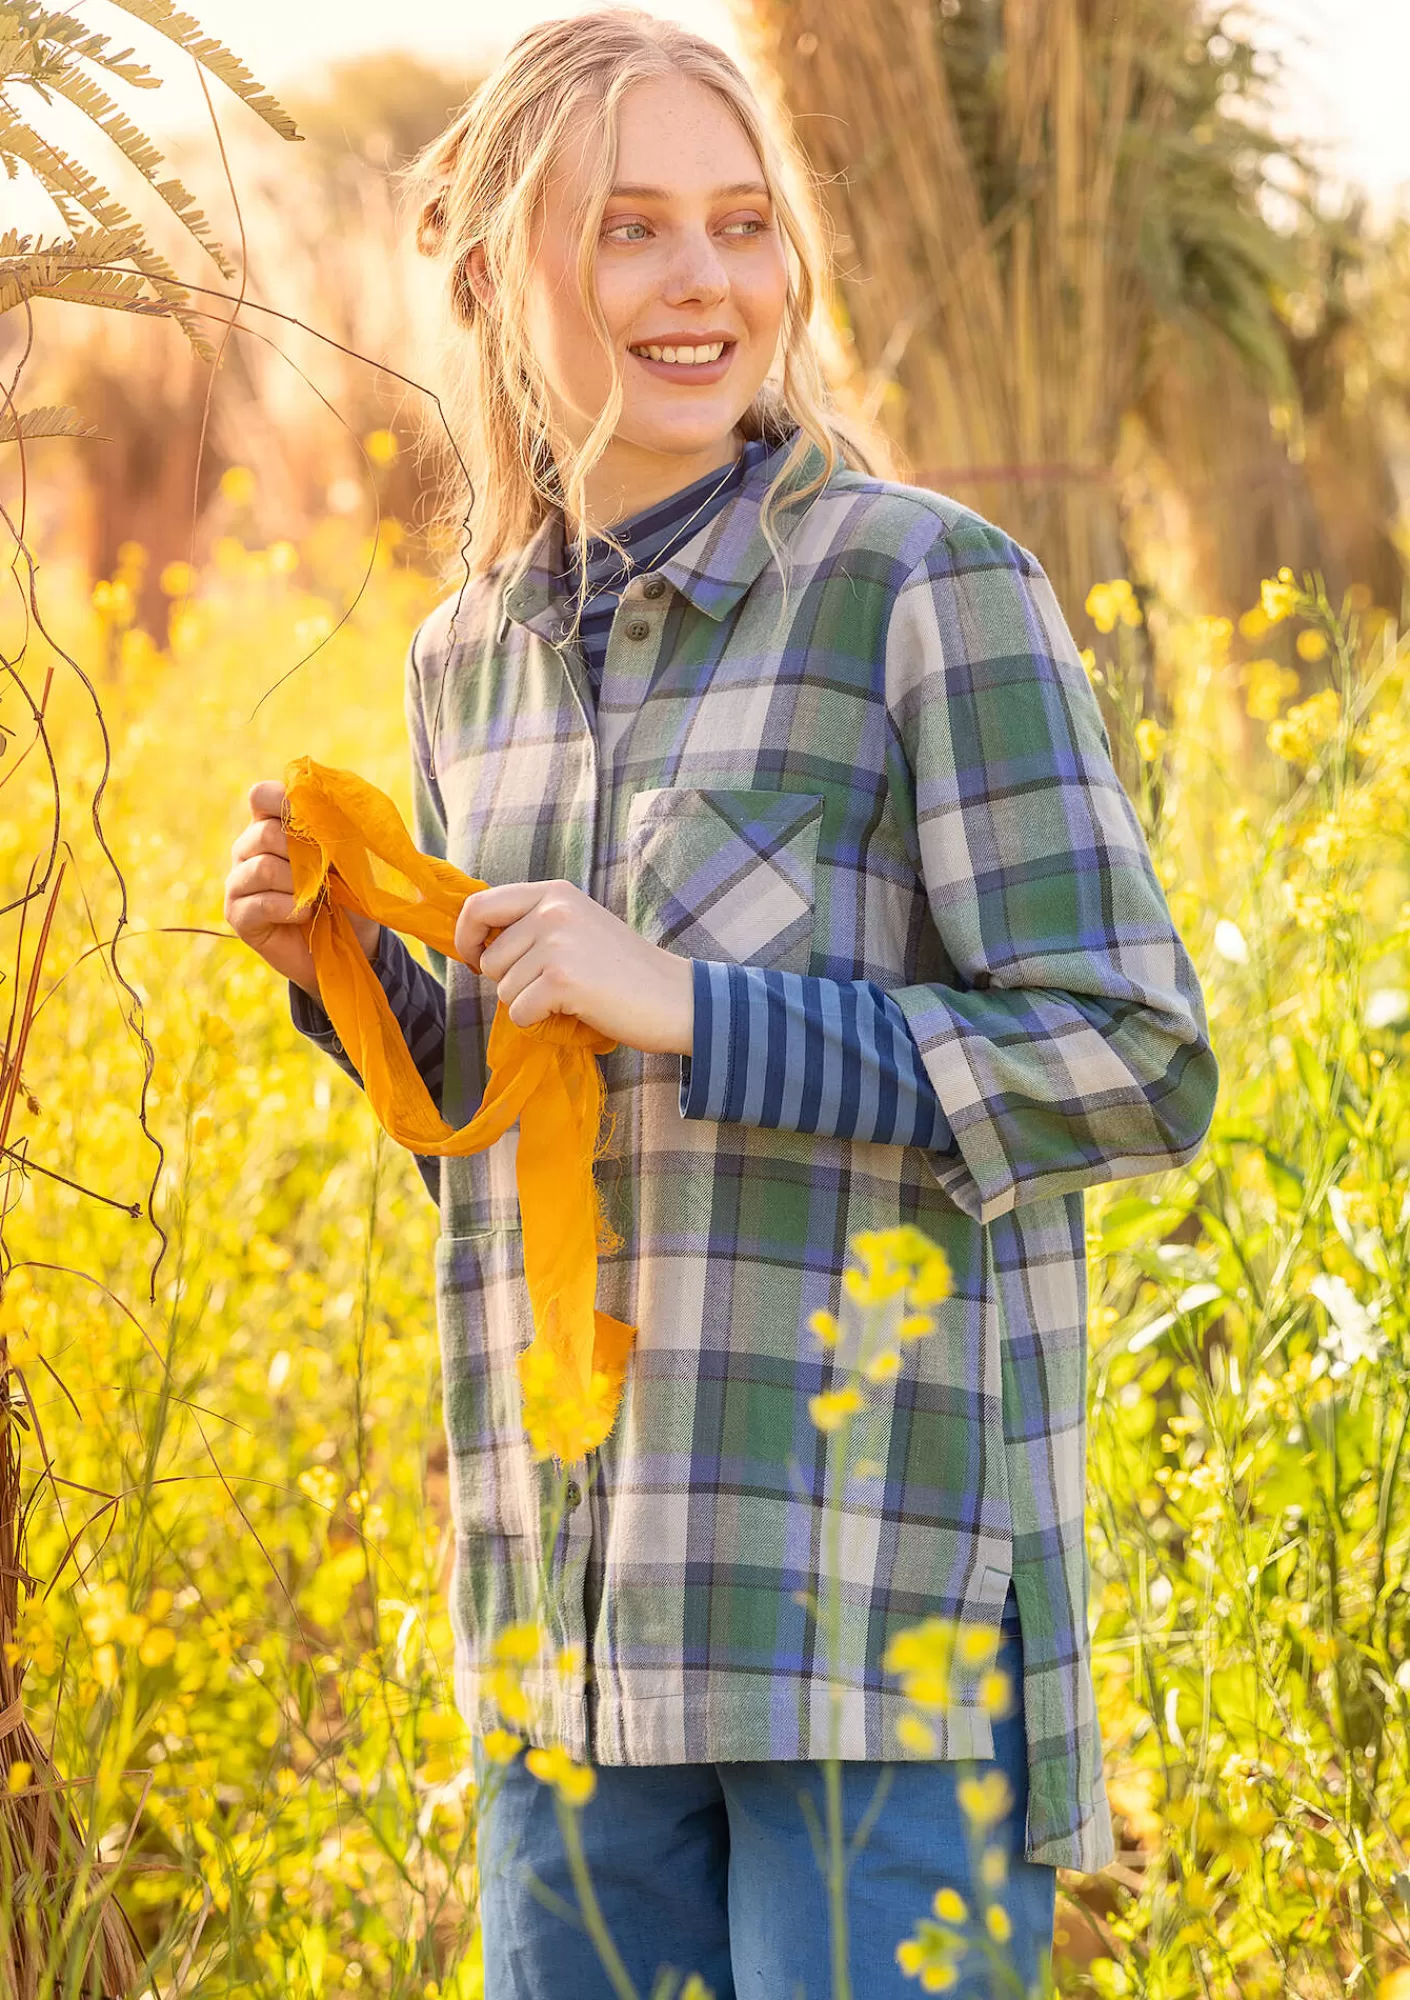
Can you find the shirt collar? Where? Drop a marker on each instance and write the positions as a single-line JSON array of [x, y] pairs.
[[713, 569]]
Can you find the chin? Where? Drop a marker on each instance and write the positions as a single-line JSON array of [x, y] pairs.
[[694, 432]]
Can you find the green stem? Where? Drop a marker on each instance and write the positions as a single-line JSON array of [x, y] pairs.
[[588, 1906], [832, 1763]]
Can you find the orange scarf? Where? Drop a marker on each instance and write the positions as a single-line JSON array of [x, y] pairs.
[[547, 1076]]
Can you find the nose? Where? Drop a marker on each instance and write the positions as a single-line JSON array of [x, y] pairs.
[[695, 272]]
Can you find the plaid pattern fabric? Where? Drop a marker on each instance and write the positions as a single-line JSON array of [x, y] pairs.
[[899, 777]]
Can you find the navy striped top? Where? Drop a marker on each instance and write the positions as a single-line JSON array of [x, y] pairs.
[[780, 1049], [650, 537]]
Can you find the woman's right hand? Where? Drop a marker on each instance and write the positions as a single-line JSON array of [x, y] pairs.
[[259, 894]]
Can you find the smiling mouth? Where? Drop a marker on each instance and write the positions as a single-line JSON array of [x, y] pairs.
[[681, 357]]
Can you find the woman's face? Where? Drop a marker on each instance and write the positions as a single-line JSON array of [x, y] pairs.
[[689, 258]]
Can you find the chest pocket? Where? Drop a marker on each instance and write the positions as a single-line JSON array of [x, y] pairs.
[[725, 874]]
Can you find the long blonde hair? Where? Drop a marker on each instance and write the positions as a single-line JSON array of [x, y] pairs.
[[482, 182]]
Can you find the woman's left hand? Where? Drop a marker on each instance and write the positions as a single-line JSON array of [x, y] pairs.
[[559, 952]]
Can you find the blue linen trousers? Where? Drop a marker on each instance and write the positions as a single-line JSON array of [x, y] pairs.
[[710, 1869]]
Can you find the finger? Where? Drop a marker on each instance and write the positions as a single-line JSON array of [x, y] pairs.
[[505, 903], [530, 1004], [260, 836], [525, 971], [262, 871], [265, 907], [267, 799]]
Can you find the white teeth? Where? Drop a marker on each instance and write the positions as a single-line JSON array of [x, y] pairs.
[[692, 357]]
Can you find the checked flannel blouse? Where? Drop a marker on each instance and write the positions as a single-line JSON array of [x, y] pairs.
[[888, 803]]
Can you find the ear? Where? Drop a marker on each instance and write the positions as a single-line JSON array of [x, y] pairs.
[[477, 274]]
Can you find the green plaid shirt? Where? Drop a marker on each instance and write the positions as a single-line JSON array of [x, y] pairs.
[[901, 776]]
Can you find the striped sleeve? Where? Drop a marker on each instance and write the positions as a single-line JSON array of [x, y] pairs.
[[418, 1001], [804, 1054]]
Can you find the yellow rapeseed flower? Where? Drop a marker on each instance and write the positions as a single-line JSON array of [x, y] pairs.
[[993, 1867], [950, 1906], [1110, 604], [916, 1736], [157, 1646], [1311, 645], [923, 1656], [382, 447], [507, 1693], [883, 1366], [237, 485], [995, 1692], [933, 1280], [976, 1645], [828, 1410], [915, 1326], [1303, 730], [1268, 684], [501, 1746], [873, 1287], [997, 1919], [984, 1801], [1278, 596], [19, 1776], [1149, 738], [574, 1783], [824, 1327], [518, 1645], [320, 1484]]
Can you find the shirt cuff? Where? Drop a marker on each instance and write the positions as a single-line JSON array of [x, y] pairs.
[[705, 1072]]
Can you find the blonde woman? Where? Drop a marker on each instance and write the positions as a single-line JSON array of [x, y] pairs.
[[793, 784]]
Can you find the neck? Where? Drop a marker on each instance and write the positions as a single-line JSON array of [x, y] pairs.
[[628, 478]]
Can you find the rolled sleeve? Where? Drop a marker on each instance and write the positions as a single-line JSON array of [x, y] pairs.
[[1072, 1046]]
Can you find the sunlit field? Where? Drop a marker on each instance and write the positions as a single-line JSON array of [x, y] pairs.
[[240, 1645]]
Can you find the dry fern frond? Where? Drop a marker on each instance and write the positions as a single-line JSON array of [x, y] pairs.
[[189, 35], [120, 291], [68, 182], [50, 421], [95, 104], [44, 50], [23, 59]]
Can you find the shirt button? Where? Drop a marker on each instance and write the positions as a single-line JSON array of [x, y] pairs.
[[638, 629], [572, 1494], [654, 586]]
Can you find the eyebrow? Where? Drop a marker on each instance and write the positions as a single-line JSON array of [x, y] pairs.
[[641, 193]]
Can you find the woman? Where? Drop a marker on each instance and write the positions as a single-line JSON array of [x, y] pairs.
[[794, 786]]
